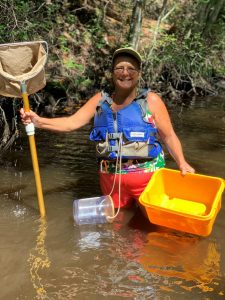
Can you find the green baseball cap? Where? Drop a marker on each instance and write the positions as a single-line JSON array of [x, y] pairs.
[[128, 50]]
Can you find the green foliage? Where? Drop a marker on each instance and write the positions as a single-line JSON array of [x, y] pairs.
[[185, 53], [63, 44], [70, 64], [76, 36], [188, 54], [25, 20], [96, 30]]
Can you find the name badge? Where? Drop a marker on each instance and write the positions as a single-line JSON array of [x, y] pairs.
[[137, 134]]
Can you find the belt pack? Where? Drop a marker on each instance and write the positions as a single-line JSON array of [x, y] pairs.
[[134, 149]]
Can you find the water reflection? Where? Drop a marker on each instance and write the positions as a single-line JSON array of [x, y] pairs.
[[105, 265], [39, 260], [93, 236], [194, 260], [139, 265]]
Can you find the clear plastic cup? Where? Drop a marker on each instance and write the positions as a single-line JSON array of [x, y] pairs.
[[95, 210]]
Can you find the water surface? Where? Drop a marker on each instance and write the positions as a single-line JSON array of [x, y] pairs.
[[128, 259]]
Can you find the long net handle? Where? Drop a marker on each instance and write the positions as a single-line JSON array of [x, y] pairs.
[[34, 156]]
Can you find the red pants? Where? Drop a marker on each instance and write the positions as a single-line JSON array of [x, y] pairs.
[[132, 185]]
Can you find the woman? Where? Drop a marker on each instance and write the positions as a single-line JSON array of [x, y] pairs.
[[126, 124]]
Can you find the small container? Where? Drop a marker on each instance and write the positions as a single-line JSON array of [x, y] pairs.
[[187, 203], [95, 210]]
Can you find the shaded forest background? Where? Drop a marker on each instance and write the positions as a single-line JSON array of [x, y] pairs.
[[182, 43]]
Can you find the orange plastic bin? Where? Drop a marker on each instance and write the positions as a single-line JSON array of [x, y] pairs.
[[187, 203]]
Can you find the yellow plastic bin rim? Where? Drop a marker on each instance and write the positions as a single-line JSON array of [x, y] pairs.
[[204, 217]]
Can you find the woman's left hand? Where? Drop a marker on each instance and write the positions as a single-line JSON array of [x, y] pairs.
[[186, 168]]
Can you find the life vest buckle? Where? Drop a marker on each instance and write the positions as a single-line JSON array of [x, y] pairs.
[[114, 135], [113, 148]]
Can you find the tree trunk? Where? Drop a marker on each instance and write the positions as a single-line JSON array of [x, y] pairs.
[[208, 14], [136, 23]]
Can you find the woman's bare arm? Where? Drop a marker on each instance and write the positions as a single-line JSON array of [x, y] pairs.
[[167, 133], [64, 124]]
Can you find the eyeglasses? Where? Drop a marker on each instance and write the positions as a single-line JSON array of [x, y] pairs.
[[120, 70]]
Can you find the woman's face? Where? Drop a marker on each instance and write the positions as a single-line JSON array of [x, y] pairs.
[[126, 73]]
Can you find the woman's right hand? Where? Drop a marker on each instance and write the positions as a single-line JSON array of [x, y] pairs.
[[29, 117]]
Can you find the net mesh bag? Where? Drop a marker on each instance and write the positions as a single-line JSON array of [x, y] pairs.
[[22, 62]]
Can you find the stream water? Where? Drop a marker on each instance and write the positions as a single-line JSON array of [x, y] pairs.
[[53, 258]]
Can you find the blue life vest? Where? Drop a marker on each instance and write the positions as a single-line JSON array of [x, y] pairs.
[[139, 137]]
